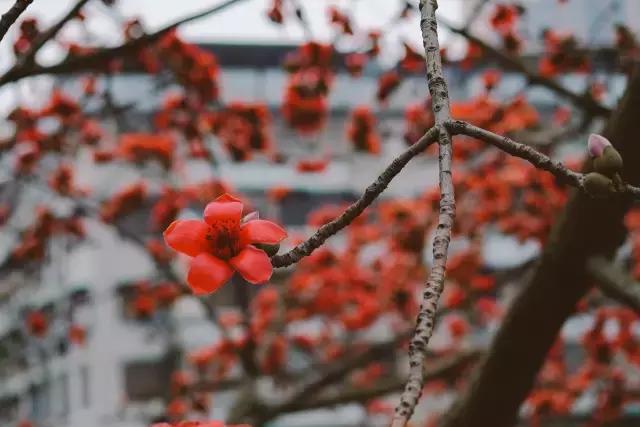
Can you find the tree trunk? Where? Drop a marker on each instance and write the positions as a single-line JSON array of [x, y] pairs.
[[586, 228]]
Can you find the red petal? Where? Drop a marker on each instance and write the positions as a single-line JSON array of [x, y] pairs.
[[187, 236], [208, 273], [224, 208], [253, 264], [261, 231]]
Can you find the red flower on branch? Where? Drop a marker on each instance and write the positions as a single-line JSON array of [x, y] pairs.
[[222, 244], [340, 20], [387, 84], [37, 323], [361, 130], [275, 12], [355, 63]]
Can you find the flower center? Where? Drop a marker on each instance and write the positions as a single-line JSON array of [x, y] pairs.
[[224, 240]]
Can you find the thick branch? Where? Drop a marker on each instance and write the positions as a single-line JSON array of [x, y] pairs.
[[370, 194], [97, 60], [509, 62], [12, 15], [425, 322], [614, 282]]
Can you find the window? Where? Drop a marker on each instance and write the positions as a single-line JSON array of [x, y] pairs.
[[60, 396], [39, 402], [8, 410], [149, 378], [85, 387]]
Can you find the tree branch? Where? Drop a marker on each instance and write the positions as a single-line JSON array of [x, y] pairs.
[[97, 60], [529, 154], [614, 282], [509, 62], [11, 16], [332, 374], [28, 58], [248, 352], [352, 212], [444, 368], [587, 228], [425, 322], [476, 13]]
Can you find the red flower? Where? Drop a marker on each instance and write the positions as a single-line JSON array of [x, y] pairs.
[[355, 63], [275, 12], [77, 334], [312, 165], [222, 243], [37, 323], [504, 17], [138, 147], [412, 61], [341, 20], [387, 84]]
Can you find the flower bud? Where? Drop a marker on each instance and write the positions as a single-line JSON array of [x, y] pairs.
[[597, 144], [609, 163], [597, 184]]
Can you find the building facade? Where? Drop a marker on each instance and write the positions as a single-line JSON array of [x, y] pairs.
[[117, 378]]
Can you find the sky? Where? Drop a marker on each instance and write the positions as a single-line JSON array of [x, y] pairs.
[[243, 22]]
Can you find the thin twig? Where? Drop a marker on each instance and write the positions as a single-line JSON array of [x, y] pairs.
[[517, 149], [11, 16], [425, 322], [614, 282], [539, 160], [354, 210], [336, 372], [475, 14], [446, 367], [97, 60], [51, 33], [509, 62]]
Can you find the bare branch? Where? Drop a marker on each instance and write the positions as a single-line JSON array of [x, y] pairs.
[[97, 60], [428, 308], [476, 13], [584, 102], [51, 33], [336, 372], [11, 16], [370, 194], [517, 149], [528, 153], [446, 367], [614, 282]]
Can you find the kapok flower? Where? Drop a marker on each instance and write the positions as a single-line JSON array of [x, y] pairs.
[[222, 244]]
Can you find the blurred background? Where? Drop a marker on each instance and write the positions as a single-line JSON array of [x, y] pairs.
[[97, 325]]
